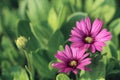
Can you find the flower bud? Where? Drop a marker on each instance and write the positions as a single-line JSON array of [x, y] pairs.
[[21, 42]]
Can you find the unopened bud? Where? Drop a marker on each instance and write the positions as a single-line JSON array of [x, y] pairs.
[[21, 42]]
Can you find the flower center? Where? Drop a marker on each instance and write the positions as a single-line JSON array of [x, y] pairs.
[[73, 63], [89, 39]]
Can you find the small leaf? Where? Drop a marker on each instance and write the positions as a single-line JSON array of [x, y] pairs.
[[115, 26], [38, 10], [55, 41], [53, 19], [21, 75], [62, 77], [42, 33]]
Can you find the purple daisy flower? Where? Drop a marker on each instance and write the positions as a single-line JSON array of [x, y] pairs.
[[72, 59], [87, 36]]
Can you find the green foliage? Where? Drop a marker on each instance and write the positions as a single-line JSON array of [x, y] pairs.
[[47, 24], [20, 75], [62, 77]]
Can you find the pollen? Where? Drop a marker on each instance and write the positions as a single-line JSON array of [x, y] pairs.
[[89, 39], [73, 63]]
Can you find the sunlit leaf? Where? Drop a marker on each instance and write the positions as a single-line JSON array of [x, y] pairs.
[[115, 26], [21, 75], [38, 10], [104, 9], [62, 77]]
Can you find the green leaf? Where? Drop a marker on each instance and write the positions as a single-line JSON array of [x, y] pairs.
[[115, 26], [22, 8], [55, 41], [97, 72], [38, 10], [40, 62], [71, 21], [88, 5], [62, 77], [21, 75], [24, 30], [55, 20], [104, 9], [112, 64], [9, 21], [76, 5], [42, 33]]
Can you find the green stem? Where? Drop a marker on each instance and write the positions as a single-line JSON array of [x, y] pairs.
[[28, 67]]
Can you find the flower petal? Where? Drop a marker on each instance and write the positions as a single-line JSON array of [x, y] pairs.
[[92, 48], [96, 27], [61, 56], [88, 23], [99, 45], [84, 56], [86, 60], [75, 71], [83, 26], [58, 65], [85, 63], [103, 35], [68, 52], [66, 70], [80, 53], [78, 44]]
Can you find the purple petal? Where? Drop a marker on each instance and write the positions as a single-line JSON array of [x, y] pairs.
[[99, 45], [74, 51], [61, 70], [66, 70], [86, 60], [85, 63], [79, 31], [81, 67], [78, 24], [104, 35], [61, 56], [75, 71], [78, 44], [75, 39], [92, 48], [83, 26], [86, 46], [58, 65], [68, 52], [84, 56], [80, 53], [96, 27], [88, 23]]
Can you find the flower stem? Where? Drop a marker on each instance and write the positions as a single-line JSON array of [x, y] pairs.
[[29, 66]]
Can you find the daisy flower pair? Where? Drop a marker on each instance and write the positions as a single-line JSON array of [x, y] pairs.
[[83, 36]]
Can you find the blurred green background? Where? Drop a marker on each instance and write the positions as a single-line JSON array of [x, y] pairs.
[[47, 25]]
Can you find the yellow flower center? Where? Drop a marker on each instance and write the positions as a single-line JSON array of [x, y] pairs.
[[73, 63], [88, 39]]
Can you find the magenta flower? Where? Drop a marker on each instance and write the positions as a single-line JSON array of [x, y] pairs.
[[72, 59], [87, 36]]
